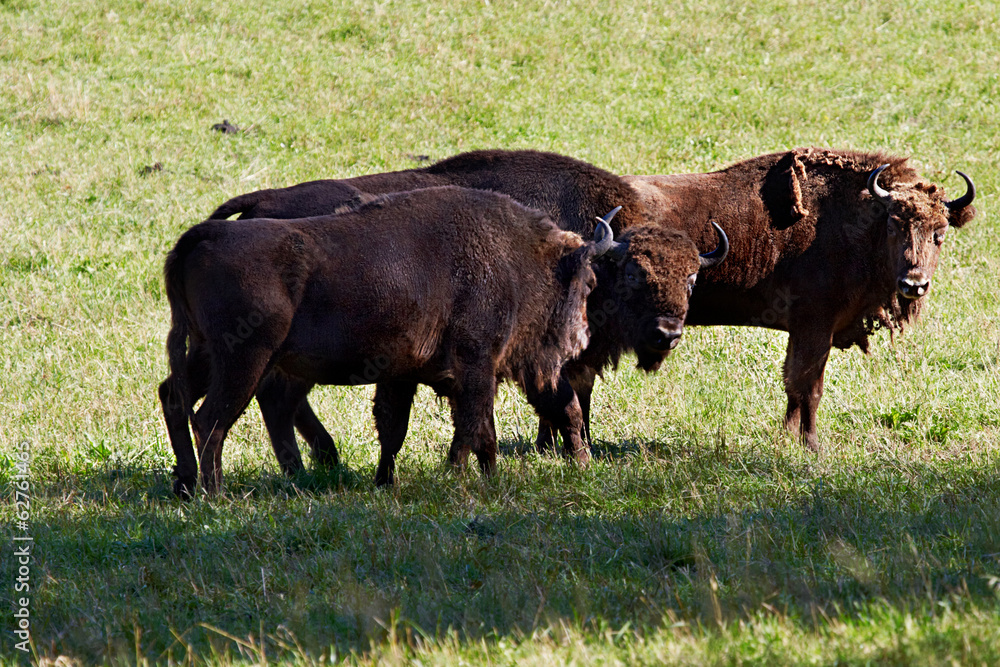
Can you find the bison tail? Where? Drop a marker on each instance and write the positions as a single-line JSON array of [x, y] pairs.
[[240, 204], [180, 322]]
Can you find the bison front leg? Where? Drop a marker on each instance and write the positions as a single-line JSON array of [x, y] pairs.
[[472, 412], [582, 380], [324, 450], [392, 417], [278, 396], [560, 408], [805, 363], [567, 414]]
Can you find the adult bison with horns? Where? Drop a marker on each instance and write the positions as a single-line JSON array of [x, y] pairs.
[[826, 245], [639, 302]]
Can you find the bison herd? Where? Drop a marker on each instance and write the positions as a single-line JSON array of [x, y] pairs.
[[531, 267]]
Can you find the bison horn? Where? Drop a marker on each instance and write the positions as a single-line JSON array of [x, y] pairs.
[[604, 237], [873, 186], [712, 258], [966, 199]]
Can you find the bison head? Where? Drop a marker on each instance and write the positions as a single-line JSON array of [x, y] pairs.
[[917, 220], [651, 272]]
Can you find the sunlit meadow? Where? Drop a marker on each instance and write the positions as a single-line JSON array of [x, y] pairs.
[[702, 533]]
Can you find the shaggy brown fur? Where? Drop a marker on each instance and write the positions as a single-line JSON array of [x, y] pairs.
[[639, 304], [813, 252], [464, 289]]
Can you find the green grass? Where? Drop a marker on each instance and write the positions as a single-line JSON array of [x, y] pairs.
[[702, 534]]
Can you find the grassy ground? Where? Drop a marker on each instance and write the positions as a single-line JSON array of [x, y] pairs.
[[701, 535]]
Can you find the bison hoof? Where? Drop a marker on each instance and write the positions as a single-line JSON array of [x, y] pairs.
[[384, 478], [184, 489]]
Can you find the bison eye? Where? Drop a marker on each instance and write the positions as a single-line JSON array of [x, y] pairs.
[[631, 276], [692, 279], [939, 236]]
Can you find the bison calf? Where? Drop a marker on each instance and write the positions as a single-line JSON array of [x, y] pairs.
[[448, 287]]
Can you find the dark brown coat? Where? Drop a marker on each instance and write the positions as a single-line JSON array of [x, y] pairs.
[[639, 304], [297, 201], [462, 289], [815, 251], [574, 193]]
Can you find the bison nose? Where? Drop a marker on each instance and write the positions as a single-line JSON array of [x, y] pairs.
[[913, 287], [667, 333]]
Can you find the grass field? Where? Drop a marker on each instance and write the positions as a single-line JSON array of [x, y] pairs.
[[702, 534]]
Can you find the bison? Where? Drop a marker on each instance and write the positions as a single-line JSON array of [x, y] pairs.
[[464, 288], [827, 245], [304, 200], [639, 304]]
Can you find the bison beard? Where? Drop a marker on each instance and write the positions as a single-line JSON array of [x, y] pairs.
[[466, 288], [825, 245]]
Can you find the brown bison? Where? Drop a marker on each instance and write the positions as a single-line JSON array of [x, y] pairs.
[[826, 245], [304, 200], [639, 304], [464, 288]]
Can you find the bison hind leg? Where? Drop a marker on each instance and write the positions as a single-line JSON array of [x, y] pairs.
[[393, 400], [545, 441], [234, 382], [321, 444], [175, 413], [178, 394]]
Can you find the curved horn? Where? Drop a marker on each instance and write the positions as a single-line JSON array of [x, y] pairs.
[[873, 186], [604, 237], [966, 199], [611, 215], [712, 258]]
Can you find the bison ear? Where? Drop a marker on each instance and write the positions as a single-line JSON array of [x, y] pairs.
[[797, 174], [961, 210], [782, 191]]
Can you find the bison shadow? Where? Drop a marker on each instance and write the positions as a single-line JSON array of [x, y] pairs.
[[600, 450], [348, 570]]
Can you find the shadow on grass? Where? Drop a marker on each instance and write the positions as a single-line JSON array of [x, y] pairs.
[[131, 482], [605, 450], [338, 569]]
